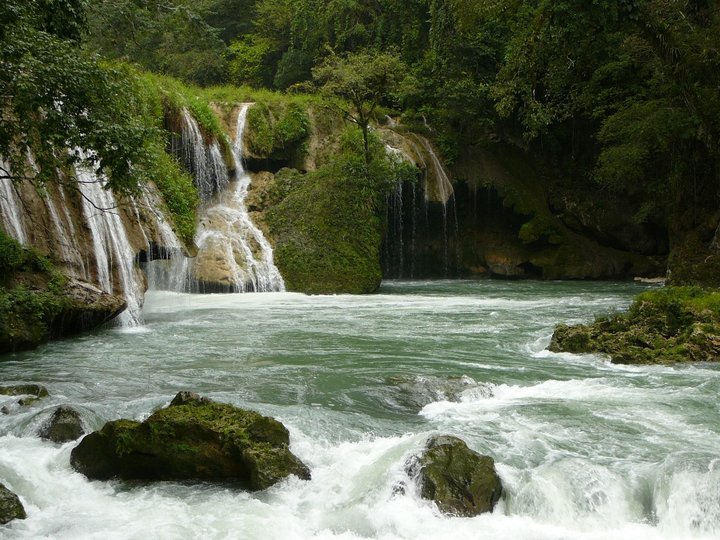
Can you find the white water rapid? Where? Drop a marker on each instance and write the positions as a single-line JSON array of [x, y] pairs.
[[586, 450], [233, 254]]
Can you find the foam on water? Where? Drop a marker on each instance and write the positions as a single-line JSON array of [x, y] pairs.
[[586, 450]]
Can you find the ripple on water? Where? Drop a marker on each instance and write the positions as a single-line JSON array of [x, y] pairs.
[[586, 449]]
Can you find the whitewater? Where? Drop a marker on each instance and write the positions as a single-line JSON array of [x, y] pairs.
[[585, 449]]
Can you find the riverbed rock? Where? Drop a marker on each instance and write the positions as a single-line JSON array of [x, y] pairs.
[[10, 506], [63, 426], [86, 307], [36, 390], [663, 326], [459, 480], [194, 438]]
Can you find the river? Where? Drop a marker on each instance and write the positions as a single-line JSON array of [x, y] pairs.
[[585, 449]]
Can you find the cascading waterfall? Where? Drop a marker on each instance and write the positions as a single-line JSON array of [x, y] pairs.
[[406, 217], [204, 161], [167, 266], [111, 246], [11, 208], [233, 255]]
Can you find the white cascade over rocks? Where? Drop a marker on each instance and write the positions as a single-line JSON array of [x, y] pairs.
[[233, 254]]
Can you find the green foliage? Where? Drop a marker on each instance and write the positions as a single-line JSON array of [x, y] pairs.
[[248, 60], [55, 98], [291, 126], [171, 37], [179, 195], [327, 226], [260, 140], [679, 300], [360, 82], [294, 67], [272, 132], [31, 295]]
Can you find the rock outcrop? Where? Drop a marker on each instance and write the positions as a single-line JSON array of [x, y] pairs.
[[193, 438], [459, 480], [63, 426], [35, 390], [671, 325], [10, 506]]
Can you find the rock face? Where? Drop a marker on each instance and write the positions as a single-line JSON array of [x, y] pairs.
[[63, 426], [459, 480], [193, 438], [10, 506], [671, 325], [87, 307]]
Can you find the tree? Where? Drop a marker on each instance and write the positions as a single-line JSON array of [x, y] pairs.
[[359, 82], [61, 106]]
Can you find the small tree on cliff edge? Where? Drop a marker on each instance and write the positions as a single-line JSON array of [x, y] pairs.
[[361, 81]]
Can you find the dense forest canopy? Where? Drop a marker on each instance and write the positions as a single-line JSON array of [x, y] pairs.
[[626, 91], [621, 96]]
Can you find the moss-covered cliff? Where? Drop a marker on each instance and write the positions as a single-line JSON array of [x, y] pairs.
[[38, 302]]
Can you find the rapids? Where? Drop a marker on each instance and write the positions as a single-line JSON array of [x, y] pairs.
[[585, 449]]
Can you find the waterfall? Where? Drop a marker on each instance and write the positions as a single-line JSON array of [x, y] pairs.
[[433, 254], [205, 162], [11, 208], [170, 271], [233, 255], [66, 237], [111, 246]]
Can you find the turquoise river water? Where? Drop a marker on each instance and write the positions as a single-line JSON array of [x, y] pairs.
[[585, 449]]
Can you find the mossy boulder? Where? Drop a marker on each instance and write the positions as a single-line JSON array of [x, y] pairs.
[[664, 326], [459, 480], [193, 438], [64, 425], [326, 232], [35, 390], [10, 506]]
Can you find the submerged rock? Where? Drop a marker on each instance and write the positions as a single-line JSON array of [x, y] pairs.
[[193, 438], [459, 480], [10, 506], [418, 391], [36, 390], [63, 426]]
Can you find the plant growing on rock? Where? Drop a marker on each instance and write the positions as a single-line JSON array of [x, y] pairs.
[[357, 83]]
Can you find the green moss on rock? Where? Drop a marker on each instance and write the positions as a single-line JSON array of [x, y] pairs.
[[327, 235], [38, 303], [10, 506], [459, 480], [664, 326], [194, 438]]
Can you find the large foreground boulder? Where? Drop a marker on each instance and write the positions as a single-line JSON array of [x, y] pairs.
[[193, 438], [459, 480], [10, 506], [63, 426]]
